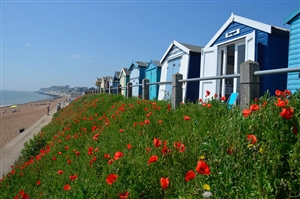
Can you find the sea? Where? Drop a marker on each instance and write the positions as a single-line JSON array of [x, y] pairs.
[[8, 97]]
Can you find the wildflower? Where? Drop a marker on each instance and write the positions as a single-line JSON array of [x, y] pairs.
[[254, 107], [186, 118], [206, 194], [189, 175], [202, 157], [38, 182], [59, 172], [202, 168], [111, 178], [207, 93], [66, 147], [279, 93], [156, 142], [215, 95], [230, 150], [208, 105], [147, 122], [281, 103], [295, 130], [261, 150], [123, 195], [252, 138], [152, 159], [164, 182], [54, 158], [223, 98], [38, 157], [206, 187], [128, 146], [179, 146], [287, 113], [95, 137], [69, 161], [249, 145], [110, 161], [121, 130], [246, 112], [288, 92], [59, 153], [159, 121], [90, 150], [106, 156], [73, 177], [200, 100], [118, 155], [67, 187]]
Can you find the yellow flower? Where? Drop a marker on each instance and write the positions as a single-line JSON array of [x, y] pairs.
[[249, 145], [202, 157], [206, 187], [261, 150]]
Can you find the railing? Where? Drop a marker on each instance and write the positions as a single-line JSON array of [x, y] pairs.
[[249, 83]]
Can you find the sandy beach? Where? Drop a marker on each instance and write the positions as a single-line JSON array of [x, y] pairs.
[[24, 117]]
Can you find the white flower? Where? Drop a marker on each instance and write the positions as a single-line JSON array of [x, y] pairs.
[[206, 194]]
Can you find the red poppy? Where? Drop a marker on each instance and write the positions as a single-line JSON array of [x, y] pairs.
[[110, 161], [164, 182], [156, 142], [186, 118], [208, 105], [179, 146], [118, 155], [54, 158], [123, 195], [287, 113], [295, 130], [190, 175], [215, 95], [246, 112], [147, 122], [66, 147], [279, 93], [60, 172], [38, 182], [152, 159], [207, 93], [111, 178], [252, 138], [90, 150], [95, 137], [159, 121], [67, 187], [288, 92], [121, 130], [38, 157], [106, 156], [202, 168], [230, 150], [223, 98], [254, 107], [129, 146], [69, 161], [281, 103], [73, 177]]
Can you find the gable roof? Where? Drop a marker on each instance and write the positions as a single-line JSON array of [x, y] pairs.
[[187, 48], [154, 62], [117, 74], [137, 64], [125, 71], [248, 22], [288, 19]]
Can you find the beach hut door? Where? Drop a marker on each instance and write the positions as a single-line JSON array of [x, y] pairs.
[[209, 58], [250, 47]]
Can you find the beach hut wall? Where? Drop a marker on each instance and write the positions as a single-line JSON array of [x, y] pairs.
[[153, 72], [137, 74], [124, 79]]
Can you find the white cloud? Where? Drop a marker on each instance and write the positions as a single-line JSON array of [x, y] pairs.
[[27, 44], [80, 57]]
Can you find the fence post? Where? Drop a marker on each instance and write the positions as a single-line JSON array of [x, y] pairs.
[[110, 90], [249, 83], [145, 89], [119, 88], [129, 89], [176, 90]]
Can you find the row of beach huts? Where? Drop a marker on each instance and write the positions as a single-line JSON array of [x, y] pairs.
[[238, 40]]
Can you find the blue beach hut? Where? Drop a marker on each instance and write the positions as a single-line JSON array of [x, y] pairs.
[[238, 40], [293, 79], [185, 59], [153, 72], [116, 81], [137, 74]]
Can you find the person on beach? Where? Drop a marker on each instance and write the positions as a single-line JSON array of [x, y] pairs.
[[48, 109]]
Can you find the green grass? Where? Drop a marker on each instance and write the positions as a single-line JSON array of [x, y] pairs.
[[71, 151]]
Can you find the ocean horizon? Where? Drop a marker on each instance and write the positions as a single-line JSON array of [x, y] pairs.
[[11, 97]]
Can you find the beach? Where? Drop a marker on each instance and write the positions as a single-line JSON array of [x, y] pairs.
[[23, 116]]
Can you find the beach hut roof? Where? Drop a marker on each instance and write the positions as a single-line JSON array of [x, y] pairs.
[[187, 48], [157, 63], [288, 19], [125, 71], [248, 22]]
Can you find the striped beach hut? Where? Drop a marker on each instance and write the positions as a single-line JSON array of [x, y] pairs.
[[124, 78], [238, 40], [185, 59], [293, 81], [153, 72], [137, 74]]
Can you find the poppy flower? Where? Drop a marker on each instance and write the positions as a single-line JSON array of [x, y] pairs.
[[207, 93], [281, 103], [69, 161], [288, 92], [287, 113], [38, 182], [164, 182], [246, 112], [223, 98], [252, 138], [123, 195], [156, 142], [95, 137], [121, 130], [73, 177], [106, 156], [54, 158], [208, 105], [189, 175], [110, 161], [202, 168], [152, 159], [230, 150], [186, 118], [90, 151], [179, 146], [159, 121], [111, 178], [279, 93], [67, 187], [254, 107], [118, 155], [38, 157], [59, 172], [147, 122], [129, 146]]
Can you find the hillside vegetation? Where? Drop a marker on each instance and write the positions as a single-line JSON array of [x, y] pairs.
[[108, 146]]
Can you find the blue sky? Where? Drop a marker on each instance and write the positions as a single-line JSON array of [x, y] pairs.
[[47, 43]]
